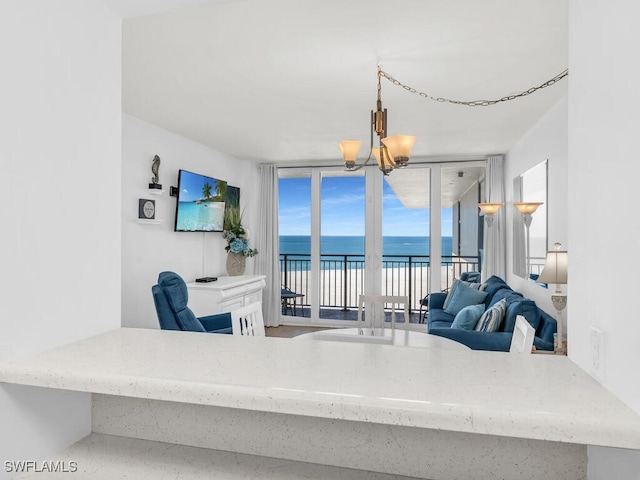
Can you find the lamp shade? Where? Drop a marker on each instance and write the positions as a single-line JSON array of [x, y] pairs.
[[555, 268], [385, 162], [349, 150], [399, 145], [490, 208], [527, 207]]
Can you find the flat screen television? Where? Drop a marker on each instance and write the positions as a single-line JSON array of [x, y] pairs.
[[200, 205]]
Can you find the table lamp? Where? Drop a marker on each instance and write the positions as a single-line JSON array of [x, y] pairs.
[[555, 271]]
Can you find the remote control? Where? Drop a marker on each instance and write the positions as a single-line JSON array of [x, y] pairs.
[[206, 279]]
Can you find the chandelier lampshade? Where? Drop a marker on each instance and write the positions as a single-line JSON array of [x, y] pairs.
[[400, 148], [386, 163], [349, 150]]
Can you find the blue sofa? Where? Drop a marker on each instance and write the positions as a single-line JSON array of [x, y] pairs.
[[439, 322]]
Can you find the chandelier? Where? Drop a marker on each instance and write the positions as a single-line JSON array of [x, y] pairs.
[[392, 152]]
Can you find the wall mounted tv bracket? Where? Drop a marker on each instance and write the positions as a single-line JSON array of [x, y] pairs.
[[173, 191]]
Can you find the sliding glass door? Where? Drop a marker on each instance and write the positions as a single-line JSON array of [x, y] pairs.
[[342, 244], [343, 234], [405, 234]]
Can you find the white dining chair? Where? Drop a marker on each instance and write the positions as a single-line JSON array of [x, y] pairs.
[[522, 339], [247, 321], [372, 314]]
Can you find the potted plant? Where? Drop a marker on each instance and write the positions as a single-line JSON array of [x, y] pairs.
[[237, 237]]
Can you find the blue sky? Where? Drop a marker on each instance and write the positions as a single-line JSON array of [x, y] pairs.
[[342, 210], [191, 186]]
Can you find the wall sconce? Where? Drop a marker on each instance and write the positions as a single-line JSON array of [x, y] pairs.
[[527, 209], [489, 210], [555, 271]]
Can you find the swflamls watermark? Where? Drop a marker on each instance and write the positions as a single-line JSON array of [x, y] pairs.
[[32, 466]]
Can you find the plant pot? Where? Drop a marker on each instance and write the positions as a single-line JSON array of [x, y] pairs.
[[236, 264]]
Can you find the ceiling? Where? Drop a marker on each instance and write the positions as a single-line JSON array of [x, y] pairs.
[[286, 80]]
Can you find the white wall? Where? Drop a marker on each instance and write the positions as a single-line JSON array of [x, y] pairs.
[[150, 249], [60, 197], [546, 140], [603, 185], [604, 170]]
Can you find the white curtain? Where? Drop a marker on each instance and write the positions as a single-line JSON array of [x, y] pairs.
[[268, 259], [494, 260]]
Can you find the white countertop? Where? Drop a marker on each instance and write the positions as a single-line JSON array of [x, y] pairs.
[[398, 337], [545, 397]]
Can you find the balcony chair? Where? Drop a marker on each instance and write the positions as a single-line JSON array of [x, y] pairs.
[[247, 321], [471, 277], [289, 299], [170, 297]]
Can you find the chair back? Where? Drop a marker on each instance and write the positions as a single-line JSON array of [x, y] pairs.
[[166, 318], [471, 277], [247, 321], [170, 297], [522, 339], [373, 317]]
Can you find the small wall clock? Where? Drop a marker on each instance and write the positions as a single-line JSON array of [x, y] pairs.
[[146, 209]]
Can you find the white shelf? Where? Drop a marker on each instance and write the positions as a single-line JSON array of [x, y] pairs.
[[155, 191], [150, 222]]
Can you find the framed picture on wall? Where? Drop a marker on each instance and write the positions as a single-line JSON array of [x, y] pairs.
[[233, 197], [146, 209], [232, 204]]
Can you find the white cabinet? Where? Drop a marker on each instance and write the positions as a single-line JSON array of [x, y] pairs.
[[225, 294]]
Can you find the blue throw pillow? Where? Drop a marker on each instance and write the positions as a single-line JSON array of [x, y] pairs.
[[491, 319], [463, 297], [454, 287], [468, 317], [452, 290]]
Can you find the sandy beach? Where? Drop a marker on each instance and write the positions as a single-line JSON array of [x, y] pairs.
[[335, 292]]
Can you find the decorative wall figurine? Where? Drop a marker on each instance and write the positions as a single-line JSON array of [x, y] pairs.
[[155, 168]]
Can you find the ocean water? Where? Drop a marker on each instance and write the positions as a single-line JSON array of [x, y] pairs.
[[352, 245], [206, 216]]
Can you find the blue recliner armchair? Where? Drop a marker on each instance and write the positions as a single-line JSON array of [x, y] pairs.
[[170, 297]]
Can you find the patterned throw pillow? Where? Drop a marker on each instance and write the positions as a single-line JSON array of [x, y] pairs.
[[491, 319]]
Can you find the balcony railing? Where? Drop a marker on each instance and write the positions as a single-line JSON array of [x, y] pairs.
[[342, 277]]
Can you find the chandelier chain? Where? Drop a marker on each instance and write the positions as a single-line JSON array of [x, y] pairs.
[[472, 103]]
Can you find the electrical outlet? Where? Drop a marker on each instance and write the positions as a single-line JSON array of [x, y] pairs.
[[597, 345]]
